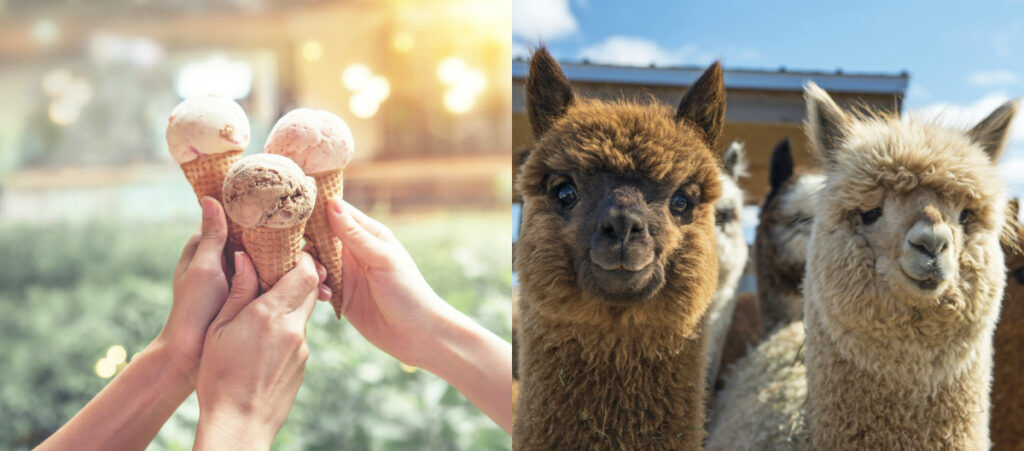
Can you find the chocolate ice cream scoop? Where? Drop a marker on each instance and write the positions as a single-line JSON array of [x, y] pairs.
[[267, 190]]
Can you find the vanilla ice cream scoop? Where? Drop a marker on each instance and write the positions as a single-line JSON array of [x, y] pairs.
[[318, 141], [206, 125], [268, 190]]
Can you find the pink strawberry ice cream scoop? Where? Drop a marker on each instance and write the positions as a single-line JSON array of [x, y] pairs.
[[318, 141], [267, 190], [206, 125]]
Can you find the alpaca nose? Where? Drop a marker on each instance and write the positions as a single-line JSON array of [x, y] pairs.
[[620, 224], [930, 238]]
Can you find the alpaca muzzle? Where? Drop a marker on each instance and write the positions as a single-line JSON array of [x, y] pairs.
[[927, 256]]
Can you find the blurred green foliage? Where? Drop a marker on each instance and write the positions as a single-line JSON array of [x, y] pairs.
[[68, 293]]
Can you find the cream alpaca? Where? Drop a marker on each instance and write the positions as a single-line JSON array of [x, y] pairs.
[[904, 278], [732, 255]]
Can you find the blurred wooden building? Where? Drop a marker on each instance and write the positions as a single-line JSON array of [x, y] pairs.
[[763, 106]]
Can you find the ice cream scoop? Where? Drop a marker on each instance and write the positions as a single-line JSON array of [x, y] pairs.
[[268, 190], [322, 145], [206, 135], [271, 199], [317, 140], [206, 125]]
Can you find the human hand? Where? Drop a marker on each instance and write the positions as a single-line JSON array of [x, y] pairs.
[[389, 302], [254, 357], [200, 288], [386, 297]]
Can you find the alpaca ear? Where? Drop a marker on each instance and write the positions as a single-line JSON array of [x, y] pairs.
[[826, 123], [992, 132], [781, 167], [704, 104], [548, 93], [734, 161]]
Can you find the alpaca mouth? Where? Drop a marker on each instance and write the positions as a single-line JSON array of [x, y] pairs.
[[928, 283], [621, 285]]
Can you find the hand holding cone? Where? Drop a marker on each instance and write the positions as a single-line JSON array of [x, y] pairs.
[[206, 135], [322, 145], [271, 199]]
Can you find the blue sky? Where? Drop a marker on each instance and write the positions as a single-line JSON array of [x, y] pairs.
[[964, 58]]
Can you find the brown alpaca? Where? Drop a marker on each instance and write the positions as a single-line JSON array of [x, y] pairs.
[[902, 290], [780, 246], [1007, 423], [617, 264]]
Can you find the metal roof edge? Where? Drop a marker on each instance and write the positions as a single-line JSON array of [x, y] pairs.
[[734, 78]]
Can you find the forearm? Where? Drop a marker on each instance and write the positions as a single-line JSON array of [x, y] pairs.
[[477, 363], [130, 410], [220, 430]]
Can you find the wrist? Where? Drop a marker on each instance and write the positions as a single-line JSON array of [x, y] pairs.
[[183, 365], [226, 429]]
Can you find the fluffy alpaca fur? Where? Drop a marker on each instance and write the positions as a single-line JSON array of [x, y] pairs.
[[732, 255], [780, 246], [745, 331], [1007, 422], [598, 370], [893, 363]]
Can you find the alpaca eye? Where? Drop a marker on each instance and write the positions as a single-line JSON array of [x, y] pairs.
[[1018, 275], [679, 202], [566, 195], [869, 217], [966, 216], [724, 216]]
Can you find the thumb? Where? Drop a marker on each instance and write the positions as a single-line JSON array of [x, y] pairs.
[[213, 234], [244, 288], [364, 246]]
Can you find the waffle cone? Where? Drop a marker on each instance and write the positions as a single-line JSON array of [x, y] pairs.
[[326, 246], [206, 175], [273, 251]]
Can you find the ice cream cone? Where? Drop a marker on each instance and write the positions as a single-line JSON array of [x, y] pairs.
[[270, 198], [206, 174], [326, 246], [273, 251]]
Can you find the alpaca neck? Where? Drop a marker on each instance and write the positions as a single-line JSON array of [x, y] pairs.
[[851, 407], [585, 387]]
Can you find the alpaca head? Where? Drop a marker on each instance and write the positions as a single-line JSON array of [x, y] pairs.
[[619, 203], [786, 217], [905, 246], [732, 246]]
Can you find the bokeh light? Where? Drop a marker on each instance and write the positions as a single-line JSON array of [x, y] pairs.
[[355, 76], [117, 354], [403, 42], [45, 31], [312, 50], [363, 104], [368, 90], [464, 84], [450, 70], [216, 75], [105, 368]]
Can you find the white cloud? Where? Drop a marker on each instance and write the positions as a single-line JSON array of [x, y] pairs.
[[1011, 166], [543, 19], [631, 51], [966, 116], [990, 78]]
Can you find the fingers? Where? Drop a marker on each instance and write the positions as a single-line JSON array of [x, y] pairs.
[[213, 234], [244, 288], [296, 289], [371, 225], [365, 246], [186, 255]]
